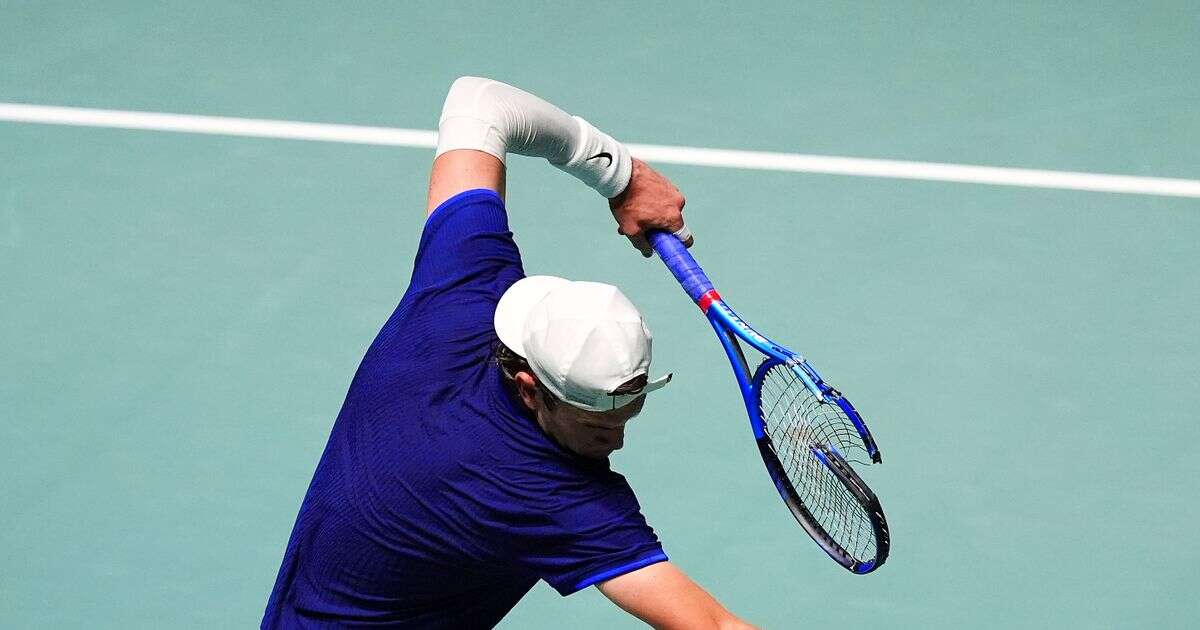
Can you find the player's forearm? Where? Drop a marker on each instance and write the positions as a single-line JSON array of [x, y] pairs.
[[664, 597], [496, 118], [700, 615], [699, 620]]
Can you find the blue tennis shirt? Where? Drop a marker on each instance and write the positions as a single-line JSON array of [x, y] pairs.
[[439, 501]]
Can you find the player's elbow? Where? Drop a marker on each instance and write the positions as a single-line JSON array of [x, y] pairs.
[[466, 93], [468, 84]]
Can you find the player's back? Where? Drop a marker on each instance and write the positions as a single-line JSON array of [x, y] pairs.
[[397, 526], [439, 501]]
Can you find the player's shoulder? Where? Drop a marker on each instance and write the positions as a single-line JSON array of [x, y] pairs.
[[466, 241], [460, 220]]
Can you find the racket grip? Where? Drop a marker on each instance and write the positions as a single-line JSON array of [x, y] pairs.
[[685, 268]]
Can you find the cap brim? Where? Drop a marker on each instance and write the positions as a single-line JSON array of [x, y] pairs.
[[657, 383], [620, 400], [513, 309]]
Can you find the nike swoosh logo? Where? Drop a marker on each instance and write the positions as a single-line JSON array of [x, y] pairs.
[[602, 154]]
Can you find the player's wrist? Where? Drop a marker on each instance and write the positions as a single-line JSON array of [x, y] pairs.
[[649, 202], [635, 167], [598, 160]]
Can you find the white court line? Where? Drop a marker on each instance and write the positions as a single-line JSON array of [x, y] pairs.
[[219, 125], [696, 156]]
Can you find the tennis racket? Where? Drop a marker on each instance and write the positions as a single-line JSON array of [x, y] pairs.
[[807, 432]]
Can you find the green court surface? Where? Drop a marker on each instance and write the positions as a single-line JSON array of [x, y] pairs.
[[181, 314]]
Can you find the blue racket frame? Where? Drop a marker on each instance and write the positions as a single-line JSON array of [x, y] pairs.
[[729, 328], [724, 320]]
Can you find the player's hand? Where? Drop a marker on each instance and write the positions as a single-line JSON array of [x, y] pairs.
[[649, 202]]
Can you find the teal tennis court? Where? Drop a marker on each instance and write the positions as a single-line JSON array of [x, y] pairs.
[[182, 312]]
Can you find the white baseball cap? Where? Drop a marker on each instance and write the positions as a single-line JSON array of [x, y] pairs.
[[582, 339]]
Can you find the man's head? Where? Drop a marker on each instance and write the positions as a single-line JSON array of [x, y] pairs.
[[593, 434], [577, 354]]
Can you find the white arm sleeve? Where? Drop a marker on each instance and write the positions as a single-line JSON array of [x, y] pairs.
[[497, 118]]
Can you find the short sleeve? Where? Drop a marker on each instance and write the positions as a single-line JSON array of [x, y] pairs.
[[466, 243], [466, 260], [587, 541]]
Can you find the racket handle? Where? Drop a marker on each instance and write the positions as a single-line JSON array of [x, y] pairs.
[[685, 268]]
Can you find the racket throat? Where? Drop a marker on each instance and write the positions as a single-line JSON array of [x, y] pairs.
[[706, 300]]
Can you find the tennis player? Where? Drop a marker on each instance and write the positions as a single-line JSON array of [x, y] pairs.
[[470, 458]]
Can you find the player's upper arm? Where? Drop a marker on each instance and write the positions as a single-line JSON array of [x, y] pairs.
[[664, 597], [463, 169]]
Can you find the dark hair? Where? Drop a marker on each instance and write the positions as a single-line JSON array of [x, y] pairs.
[[511, 363]]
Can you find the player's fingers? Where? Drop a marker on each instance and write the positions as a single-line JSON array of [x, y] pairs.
[[639, 242], [671, 221], [642, 245], [685, 235]]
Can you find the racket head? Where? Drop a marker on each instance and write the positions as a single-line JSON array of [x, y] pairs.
[[802, 442], [782, 371], [832, 416]]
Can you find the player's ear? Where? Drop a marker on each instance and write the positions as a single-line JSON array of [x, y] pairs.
[[528, 389]]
